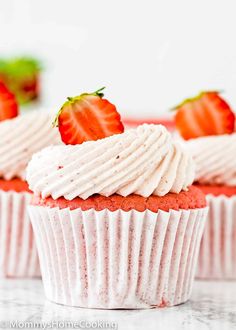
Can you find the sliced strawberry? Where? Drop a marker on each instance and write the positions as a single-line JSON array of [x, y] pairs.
[[8, 104], [205, 114], [88, 117]]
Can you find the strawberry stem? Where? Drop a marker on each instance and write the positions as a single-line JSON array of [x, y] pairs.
[[98, 92]]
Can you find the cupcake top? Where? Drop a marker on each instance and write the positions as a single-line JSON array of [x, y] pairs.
[[215, 159], [142, 161], [20, 138], [207, 122]]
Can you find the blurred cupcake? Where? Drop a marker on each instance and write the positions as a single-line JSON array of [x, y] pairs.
[[20, 137], [21, 75], [116, 222], [208, 122]]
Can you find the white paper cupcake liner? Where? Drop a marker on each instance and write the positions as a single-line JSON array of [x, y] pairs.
[[104, 259], [18, 252], [217, 257]]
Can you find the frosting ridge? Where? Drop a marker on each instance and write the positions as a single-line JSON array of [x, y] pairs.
[[20, 138], [215, 159], [140, 161]]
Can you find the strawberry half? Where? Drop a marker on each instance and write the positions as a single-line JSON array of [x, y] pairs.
[[88, 117], [8, 104], [205, 114]]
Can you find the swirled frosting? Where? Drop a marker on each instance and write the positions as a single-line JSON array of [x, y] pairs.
[[20, 138], [215, 158], [143, 161]]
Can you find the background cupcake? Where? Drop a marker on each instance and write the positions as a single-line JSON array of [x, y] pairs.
[[115, 222], [20, 137], [208, 122]]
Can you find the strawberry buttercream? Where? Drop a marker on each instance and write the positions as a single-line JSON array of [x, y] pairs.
[[20, 138], [143, 161], [215, 159]]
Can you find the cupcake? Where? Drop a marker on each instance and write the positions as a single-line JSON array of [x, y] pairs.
[[212, 143], [20, 137], [116, 220]]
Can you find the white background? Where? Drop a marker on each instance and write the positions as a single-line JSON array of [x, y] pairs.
[[150, 54]]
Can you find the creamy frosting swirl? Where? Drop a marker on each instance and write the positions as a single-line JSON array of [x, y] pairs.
[[20, 138], [142, 161], [215, 159]]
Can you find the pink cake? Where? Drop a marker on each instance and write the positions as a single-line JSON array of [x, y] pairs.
[[20, 137], [216, 177], [117, 222]]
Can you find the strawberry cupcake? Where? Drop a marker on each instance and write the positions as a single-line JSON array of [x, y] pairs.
[[20, 137], [212, 143], [116, 220]]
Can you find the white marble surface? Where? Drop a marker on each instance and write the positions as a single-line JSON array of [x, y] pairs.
[[213, 307]]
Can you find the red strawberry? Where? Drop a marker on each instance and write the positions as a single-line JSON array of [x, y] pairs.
[[205, 114], [88, 117], [8, 104]]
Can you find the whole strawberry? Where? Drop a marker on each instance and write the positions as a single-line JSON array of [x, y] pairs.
[[8, 104], [88, 117], [206, 114]]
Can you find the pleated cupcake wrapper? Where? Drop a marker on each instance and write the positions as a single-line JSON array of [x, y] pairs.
[[104, 259], [18, 252], [217, 257]]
